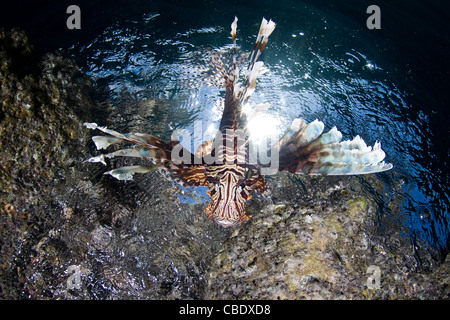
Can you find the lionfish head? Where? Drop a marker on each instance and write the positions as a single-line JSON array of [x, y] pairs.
[[228, 197]]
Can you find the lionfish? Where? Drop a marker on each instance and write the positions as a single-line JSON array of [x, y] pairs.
[[231, 177]]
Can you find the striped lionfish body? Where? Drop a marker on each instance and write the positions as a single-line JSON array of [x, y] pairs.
[[223, 163]]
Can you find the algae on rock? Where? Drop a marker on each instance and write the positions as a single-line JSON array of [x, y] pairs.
[[41, 143]]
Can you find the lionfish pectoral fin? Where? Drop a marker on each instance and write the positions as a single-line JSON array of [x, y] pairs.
[[193, 176], [305, 149], [256, 183], [144, 146], [102, 142], [187, 169]]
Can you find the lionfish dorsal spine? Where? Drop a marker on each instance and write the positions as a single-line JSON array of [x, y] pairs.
[[237, 94], [235, 69], [256, 68]]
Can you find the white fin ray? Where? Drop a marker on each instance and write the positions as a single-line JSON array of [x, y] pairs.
[[126, 173]]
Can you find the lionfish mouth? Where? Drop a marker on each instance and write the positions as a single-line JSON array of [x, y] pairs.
[[230, 223]]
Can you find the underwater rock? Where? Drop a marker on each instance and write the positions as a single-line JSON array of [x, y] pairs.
[[43, 105], [324, 249], [70, 232]]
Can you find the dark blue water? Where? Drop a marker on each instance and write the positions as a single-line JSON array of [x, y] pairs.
[[389, 85]]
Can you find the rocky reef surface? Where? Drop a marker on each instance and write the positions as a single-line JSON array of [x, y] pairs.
[[328, 248], [69, 232], [41, 147]]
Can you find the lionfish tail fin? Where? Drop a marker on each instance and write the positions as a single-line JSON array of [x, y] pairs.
[[305, 149], [144, 146]]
